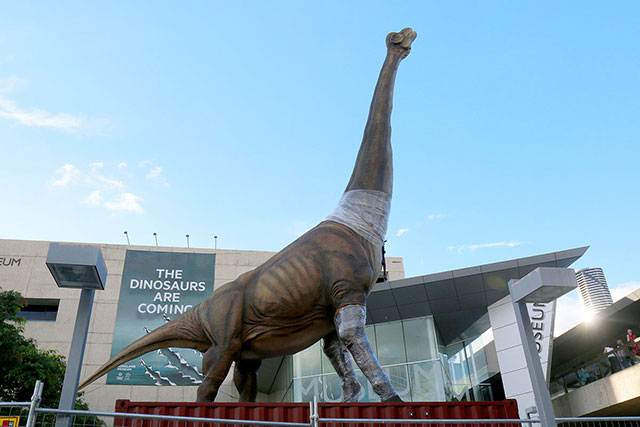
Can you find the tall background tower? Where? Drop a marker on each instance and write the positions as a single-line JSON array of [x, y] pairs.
[[593, 289]]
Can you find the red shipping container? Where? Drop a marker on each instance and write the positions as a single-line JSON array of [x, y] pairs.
[[299, 412]]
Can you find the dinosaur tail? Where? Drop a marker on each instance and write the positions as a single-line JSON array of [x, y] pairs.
[[183, 331]]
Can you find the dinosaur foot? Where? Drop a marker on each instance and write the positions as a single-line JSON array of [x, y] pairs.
[[401, 42], [351, 391], [395, 398]]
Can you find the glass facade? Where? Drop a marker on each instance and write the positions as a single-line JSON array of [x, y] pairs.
[[466, 367], [419, 367]]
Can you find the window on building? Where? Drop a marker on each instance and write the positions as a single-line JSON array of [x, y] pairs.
[[407, 351], [390, 343], [308, 361], [40, 309]]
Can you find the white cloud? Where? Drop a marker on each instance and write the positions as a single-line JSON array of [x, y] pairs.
[[67, 174], [93, 178], [122, 202], [107, 186], [95, 198], [144, 163], [155, 175], [40, 118], [476, 246], [623, 289], [402, 231], [104, 191], [96, 165], [435, 216], [495, 245], [126, 202], [76, 124], [110, 183]]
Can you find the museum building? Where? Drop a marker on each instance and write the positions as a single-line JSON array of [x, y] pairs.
[[439, 337]]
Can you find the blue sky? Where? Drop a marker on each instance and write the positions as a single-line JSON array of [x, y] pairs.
[[515, 125]]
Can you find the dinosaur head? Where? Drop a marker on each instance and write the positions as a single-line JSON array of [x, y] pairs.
[[401, 42]]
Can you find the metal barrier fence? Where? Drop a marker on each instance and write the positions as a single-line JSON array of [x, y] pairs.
[[29, 414]]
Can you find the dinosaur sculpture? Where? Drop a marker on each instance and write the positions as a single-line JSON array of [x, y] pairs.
[[314, 288]]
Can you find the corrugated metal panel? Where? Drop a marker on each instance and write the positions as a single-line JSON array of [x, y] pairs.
[[285, 412], [420, 410], [299, 412]]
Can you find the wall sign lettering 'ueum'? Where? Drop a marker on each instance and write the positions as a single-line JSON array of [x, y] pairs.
[[10, 262]]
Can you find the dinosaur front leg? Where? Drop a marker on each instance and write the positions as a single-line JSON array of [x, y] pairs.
[[245, 378], [339, 358], [216, 363], [350, 321]]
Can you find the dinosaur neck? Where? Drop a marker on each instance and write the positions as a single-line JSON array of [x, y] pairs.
[[374, 165]]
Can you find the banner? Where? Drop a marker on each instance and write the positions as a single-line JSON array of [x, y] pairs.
[[157, 287]]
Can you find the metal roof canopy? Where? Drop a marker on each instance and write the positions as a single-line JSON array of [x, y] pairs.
[[457, 299]]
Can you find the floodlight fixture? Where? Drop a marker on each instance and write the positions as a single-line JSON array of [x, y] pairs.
[[544, 285], [77, 266]]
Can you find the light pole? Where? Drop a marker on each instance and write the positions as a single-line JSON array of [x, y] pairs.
[[215, 242], [155, 235], [542, 285], [187, 236], [76, 266], [127, 234]]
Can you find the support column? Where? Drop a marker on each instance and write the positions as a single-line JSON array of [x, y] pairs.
[[540, 390], [76, 354]]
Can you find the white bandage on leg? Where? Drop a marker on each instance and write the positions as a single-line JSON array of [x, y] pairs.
[[366, 212]]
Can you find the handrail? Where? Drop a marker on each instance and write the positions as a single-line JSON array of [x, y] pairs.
[[325, 420], [592, 361], [595, 419], [431, 421]]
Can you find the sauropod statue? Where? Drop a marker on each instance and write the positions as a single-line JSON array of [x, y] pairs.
[[315, 288]]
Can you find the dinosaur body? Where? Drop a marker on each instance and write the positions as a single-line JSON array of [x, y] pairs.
[[313, 289]]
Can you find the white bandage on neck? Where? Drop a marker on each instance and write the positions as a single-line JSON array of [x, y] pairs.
[[366, 212]]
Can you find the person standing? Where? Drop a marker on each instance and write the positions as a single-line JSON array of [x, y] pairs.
[[624, 355], [613, 359], [635, 347]]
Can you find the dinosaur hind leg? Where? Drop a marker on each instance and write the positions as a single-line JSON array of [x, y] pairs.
[[245, 378], [216, 363], [337, 353]]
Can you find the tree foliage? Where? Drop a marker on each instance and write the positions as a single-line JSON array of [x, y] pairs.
[[22, 362]]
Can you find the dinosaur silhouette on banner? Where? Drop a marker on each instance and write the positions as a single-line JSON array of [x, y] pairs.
[[314, 288]]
